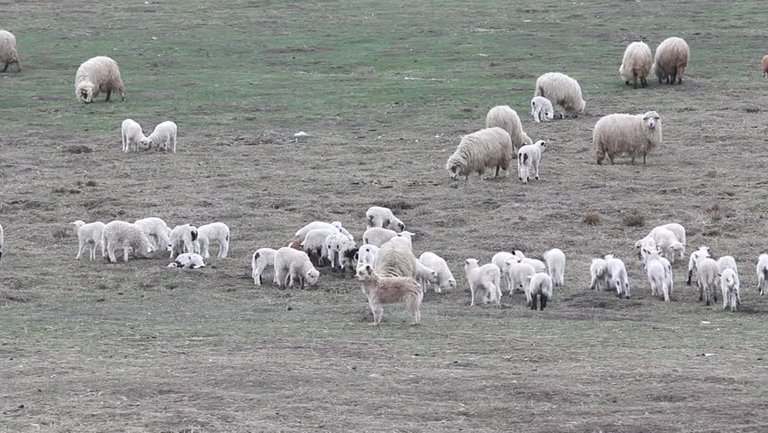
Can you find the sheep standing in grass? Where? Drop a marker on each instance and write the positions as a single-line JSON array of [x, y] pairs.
[[600, 279], [708, 279], [388, 290], [291, 266], [484, 279], [164, 134], [667, 244], [728, 262], [302, 232], [500, 259], [636, 63], [157, 231], [762, 270], [539, 291], [378, 216], [96, 75], [671, 60], [88, 236], [445, 280], [315, 246], [729, 285], [562, 90], [183, 239], [486, 148], [659, 273], [218, 232], [378, 236], [131, 135], [339, 247], [555, 261], [507, 119], [618, 275], [542, 109], [529, 159], [765, 66], [519, 274], [702, 253], [618, 134], [129, 237], [9, 54], [260, 261]]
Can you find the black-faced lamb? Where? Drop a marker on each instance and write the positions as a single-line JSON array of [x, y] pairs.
[[620, 134], [562, 90], [481, 150], [389, 290], [671, 60], [260, 261], [96, 75], [507, 119], [636, 63], [214, 232], [129, 237], [9, 53], [188, 261], [131, 135], [163, 135], [183, 239], [378, 216], [539, 291], [555, 261], [542, 109], [292, 266], [88, 236], [529, 159], [445, 281], [484, 279]]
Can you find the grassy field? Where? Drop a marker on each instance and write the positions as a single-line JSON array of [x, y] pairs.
[[385, 90]]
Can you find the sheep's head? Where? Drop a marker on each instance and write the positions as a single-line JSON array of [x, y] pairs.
[[312, 276], [470, 263], [652, 120], [146, 142], [454, 171], [542, 145], [85, 92]]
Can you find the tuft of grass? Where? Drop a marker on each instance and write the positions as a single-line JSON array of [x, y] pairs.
[[719, 211], [60, 233], [592, 219], [634, 221]]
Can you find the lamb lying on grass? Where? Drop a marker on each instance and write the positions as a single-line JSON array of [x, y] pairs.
[[188, 261]]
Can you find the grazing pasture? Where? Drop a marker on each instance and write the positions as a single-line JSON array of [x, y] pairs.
[[384, 90]]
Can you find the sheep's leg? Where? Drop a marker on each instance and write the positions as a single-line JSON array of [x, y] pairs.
[[542, 302], [644, 155], [125, 253], [724, 291], [536, 165], [534, 302], [635, 80], [109, 93], [5, 68], [80, 249], [472, 293]]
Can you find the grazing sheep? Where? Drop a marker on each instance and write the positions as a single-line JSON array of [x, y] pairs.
[[338, 246], [260, 261], [9, 54], [314, 245], [302, 233], [618, 134], [129, 237], [762, 269], [88, 236], [561, 90], [659, 273], [388, 290], [164, 134], [765, 65], [536, 263], [696, 256], [539, 291], [507, 119], [183, 240], [157, 231], [555, 261], [708, 275], [395, 259], [529, 158], [378, 236], [292, 266], [2, 241], [542, 109], [729, 285], [445, 280], [671, 60], [188, 261], [618, 275], [728, 262], [519, 274], [486, 148], [377, 216], [677, 229], [366, 255], [667, 244], [484, 279], [131, 135], [218, 232], [96, 75], [636, 63], [600, 279]]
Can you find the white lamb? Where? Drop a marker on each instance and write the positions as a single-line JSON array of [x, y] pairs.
[[539, 290], [188, 261], [536, 263], [445, 280], [131, 135], [618, 275], [561, 90], [636, 63], [378, 216], [157, 231], [129, 237], [218, 232], [366, 255], [314, 244], [761, 270], [500, 259], [555, 261], [164, 134], [396, 259], [708, 279], [729, 285], [302, 233], [260, 261], [677, 229], [667, 244], [600, 279], [338, 246], [619, 134], [529, 159], [9, 53], [659, 272], [183, 240], [378, 236], [507, 119], [519, 274], [293, 265], [645, 247], [96, 75], [728, 262], [484, 279], [542, 109], [696, 256], [486, 148], [88, 236]]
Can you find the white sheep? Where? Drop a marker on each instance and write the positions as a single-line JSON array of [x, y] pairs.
[[667, 244], [314, 244], [366, 255], [561, 90], [600, 279], [486, 148], [707, 279], [671, 60], [129, 237], [484, 279], [183, 239], [696, 256], [536, 263], [618, 275], [2, 240], [339, 249], [218, 232], [507, 119], [500, 259], [645, 247], [157, 231], [445, 281], [619, 134], [396, 259], [542, 109], [636, 63], [728, 262], [729, 285], [88, 236], [529, 159], [519, 274], [164, 134], [131, 135], [293, 265], [539, 291], [378, 216], [96, 75], [555, 261], [302, 232], [9, 53], [188, 261], [378, 236], [761, 270], [260, 261], [677, 229], [658, 270]]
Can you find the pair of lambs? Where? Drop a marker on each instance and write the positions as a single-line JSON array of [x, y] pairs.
[[609, 273], [668, 64], [326, 242], [111, 237], [291, 266], [708, 272], [9, 53], [668, 240], [163, 135], [187, 238]]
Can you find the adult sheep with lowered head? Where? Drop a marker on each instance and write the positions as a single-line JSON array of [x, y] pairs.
[[507, 119], [670, 60], [618, 134], [9, 54], [636, 63], [562, 90], [486, 148], [96, 75]]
